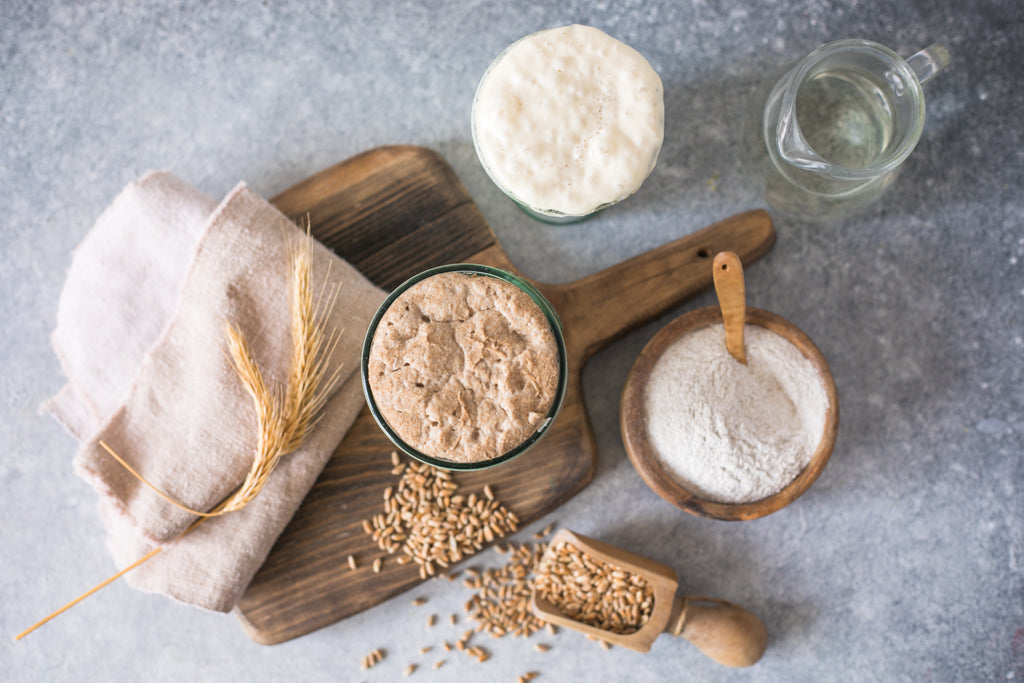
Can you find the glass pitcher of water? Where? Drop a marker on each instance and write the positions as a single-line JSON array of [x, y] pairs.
[[836, 127]]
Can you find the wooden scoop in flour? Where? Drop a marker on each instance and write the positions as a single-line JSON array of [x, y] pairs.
[[732, 298], [725, 632]]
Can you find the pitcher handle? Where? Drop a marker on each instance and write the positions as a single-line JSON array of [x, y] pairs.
[[929, 61]]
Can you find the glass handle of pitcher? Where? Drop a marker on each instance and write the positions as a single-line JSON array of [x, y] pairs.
[[929, 61]]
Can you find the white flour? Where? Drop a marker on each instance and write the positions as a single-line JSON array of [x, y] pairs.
[[734, 433]]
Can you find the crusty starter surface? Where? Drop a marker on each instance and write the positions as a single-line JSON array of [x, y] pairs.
[[463, 367]]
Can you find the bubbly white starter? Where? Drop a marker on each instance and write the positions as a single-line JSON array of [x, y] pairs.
[[568, 120]]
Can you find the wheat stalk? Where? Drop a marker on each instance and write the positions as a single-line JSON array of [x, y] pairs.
[[284, 421]]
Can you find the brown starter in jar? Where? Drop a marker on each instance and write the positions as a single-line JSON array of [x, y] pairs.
[[463, 368]]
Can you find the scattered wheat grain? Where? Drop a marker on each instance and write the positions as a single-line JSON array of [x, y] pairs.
[[501, 605]]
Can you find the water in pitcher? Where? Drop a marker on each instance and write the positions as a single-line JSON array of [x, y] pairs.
[[846, 116], [830, 135]]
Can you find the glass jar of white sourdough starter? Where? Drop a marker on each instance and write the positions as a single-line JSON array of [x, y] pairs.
[[568, 121]]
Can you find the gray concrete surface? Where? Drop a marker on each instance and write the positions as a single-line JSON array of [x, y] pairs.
[[905, 562]]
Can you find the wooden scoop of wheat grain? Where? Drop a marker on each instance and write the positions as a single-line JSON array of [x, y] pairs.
[[725, 632]]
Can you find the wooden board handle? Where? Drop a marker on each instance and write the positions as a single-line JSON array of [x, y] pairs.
[[602, 307]]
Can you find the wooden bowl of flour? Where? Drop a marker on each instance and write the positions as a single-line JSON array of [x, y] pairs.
[[636, 437]]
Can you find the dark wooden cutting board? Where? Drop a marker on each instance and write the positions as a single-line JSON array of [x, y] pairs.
[[392, 212]]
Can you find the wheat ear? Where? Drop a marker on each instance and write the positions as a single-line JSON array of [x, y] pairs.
[[283, 422]]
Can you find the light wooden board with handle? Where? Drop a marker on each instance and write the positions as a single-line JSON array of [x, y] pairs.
[[392, 212]]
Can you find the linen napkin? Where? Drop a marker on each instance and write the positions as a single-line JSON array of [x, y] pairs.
[[140, 334]]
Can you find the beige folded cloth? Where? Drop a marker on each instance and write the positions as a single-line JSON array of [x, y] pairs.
[[140, 333]]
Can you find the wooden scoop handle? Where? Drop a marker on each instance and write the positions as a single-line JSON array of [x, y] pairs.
[[725, 632], [732, 298]]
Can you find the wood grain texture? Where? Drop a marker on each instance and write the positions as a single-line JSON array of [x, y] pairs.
[[392, 212]]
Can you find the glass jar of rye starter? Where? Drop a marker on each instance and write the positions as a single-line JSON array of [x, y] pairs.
[[568, 121], [464, 366]]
